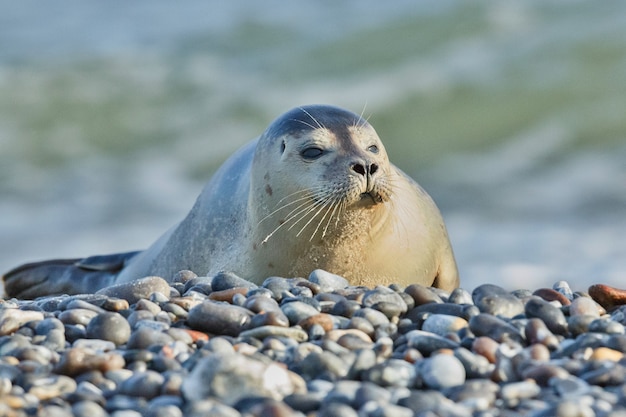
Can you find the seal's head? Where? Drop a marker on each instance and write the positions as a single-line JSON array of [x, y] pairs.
[[319, 162]]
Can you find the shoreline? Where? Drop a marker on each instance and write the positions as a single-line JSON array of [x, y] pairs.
[[318, 347]]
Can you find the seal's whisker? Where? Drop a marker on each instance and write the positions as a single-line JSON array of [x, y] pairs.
[[323, 204], [305, 123], [321, 126], [308, 193], [336, 205], [328, 205]]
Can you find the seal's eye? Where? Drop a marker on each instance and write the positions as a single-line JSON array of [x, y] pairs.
[[312, 153], [282, 147], [373, 149]]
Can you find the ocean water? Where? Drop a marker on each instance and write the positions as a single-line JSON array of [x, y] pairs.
[[511, 114]]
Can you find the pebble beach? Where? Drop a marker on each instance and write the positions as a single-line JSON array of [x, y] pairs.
[[222, 346]]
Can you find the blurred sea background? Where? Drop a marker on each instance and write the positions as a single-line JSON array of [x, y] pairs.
[[511, 114]]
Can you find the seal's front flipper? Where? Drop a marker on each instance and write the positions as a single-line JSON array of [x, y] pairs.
[[64, 276]]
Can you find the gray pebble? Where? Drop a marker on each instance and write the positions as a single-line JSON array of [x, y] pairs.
[[441, 371], [391, 373], [494, 300], [138, 289], [328, 282], [219, 318], [297, 311], [109, 326], [228, 280]]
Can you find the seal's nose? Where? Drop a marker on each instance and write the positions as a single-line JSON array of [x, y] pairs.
[[365, 170]]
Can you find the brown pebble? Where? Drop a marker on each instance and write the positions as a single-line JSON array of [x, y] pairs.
[[335, 334], [607, 296], [606, 354], [549, 294], [227, 295], [12, 319], [115, 304], [186, 302], [487, 347], [324, 320], [422, 295], [353, 342], [196, 335], [76, 361], [412, 355]]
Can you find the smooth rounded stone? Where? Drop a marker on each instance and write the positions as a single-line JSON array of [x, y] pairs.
[[422, 295], [324, 364], [345, 308], [228, 280], [77, 316], [76, 361], [617, 342], [579, 324], [442, 324], [95, 345], [542, 373], [262, 332], [513, 393], [270, 318], [362, 324], [88, 409], [138, 316], [368, 391], [354, 342], [143, 384], [364, 360], [478, 393], [373, 316], [147, 305], [383, 294], [125, 406], [145, 337], [219, 318], [548, 294], [536, 331], [552, 316], [584, 306], [322, 319], [476, 365], [427, 342], [391, 373], [564, 288], [606, 375], [570, 387], [441, 371], [234, 376], [495, 328], [50, 387], [603, 325], [12, 319], [261, 303], [344, 392], [374, 409], [109, 326], [464, 311], [607, 296], [460, 296], [297, 311], [389, 309], [333, 409], [328, 282], [48, 324], [136, 290], [423, 401], [496, 301], [183, 276], [83, 304], [305, 403], [209, 408], [230, 295], [159, 326]]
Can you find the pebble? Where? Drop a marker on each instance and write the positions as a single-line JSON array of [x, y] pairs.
[[494, 300], [109, 326], [292, 347], [138, 289], [441, 371]]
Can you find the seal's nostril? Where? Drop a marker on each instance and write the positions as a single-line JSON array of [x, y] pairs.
[[373, 169], [359, 169]]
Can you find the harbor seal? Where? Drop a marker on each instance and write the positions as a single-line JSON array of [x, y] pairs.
[[315, 190]]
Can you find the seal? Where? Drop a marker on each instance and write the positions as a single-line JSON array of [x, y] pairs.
[[315, 190]]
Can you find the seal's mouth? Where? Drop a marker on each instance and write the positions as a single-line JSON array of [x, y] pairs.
[[369, 198]]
